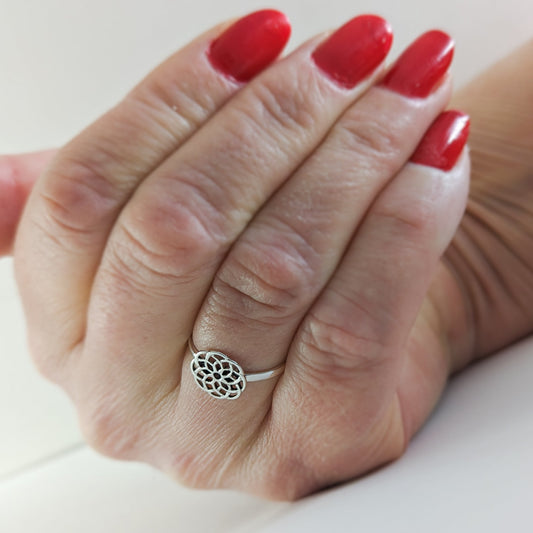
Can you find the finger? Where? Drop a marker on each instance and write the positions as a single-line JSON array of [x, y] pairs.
[[76, 203], [170, 239], [18, 174], [350, 349], [283, 260]]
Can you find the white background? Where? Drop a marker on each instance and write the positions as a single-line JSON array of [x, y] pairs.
[[65, 62]]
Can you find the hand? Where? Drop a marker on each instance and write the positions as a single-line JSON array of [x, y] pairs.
[[277, 220], [486, 290]]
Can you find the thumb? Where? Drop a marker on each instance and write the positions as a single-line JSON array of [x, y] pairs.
[[18, 174]]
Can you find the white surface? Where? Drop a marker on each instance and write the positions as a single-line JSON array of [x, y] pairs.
[[64, 63], [84, 493], [35, 418]]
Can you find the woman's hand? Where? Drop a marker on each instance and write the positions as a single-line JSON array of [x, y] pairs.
[[276, 221]]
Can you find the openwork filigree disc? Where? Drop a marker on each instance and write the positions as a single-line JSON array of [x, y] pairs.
[[218, 375]]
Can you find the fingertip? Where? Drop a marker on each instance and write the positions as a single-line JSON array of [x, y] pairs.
[[249, 45], [18, 174], [421, 67], [12, 201], [444, 141], [355, 50]]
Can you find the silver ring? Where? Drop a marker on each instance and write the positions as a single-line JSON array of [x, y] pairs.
[[222, 377]]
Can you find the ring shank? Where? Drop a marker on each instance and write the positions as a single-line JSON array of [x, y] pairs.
[[267, 374]]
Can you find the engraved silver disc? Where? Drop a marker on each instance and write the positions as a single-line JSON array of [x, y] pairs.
[[218, 375]]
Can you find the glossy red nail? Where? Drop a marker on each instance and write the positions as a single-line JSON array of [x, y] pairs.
[[421, 66], [444, 141], [355, 50], [250, 45]]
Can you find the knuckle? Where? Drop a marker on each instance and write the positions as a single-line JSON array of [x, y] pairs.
[[170, 246], [285, 479], [263, 282], [412, 220], [366, 135], [279, 480], [174, 107], [339, 349], [78, 199], [46, 366], [284, 104], [279, 475], [281, 489], [50, 361]]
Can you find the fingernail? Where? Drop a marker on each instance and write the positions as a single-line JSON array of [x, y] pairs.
[[419, 69], [444, 141], [354, 50], [250, 45]]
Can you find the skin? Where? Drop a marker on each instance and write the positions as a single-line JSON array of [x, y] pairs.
[[492, 253], [371, 323]]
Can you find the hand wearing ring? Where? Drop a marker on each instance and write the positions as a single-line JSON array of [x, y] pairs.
[[289, 217]]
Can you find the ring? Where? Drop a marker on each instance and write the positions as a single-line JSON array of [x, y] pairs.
[[222, 377]]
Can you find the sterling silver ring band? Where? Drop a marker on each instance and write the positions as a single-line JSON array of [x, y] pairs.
[[222, 377]]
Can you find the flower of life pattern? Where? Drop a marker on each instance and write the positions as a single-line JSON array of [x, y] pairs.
[[218, 375]]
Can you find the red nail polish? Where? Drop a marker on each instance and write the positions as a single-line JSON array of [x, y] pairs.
[[421, 66], [444, 141], [250, 45], [354, 50]]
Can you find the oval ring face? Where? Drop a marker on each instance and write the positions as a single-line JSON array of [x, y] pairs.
[[218, 375]]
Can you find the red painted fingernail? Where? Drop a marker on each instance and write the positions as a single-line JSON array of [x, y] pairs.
[[444, 141], [354, 50], [419, 69], [251, 44]]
